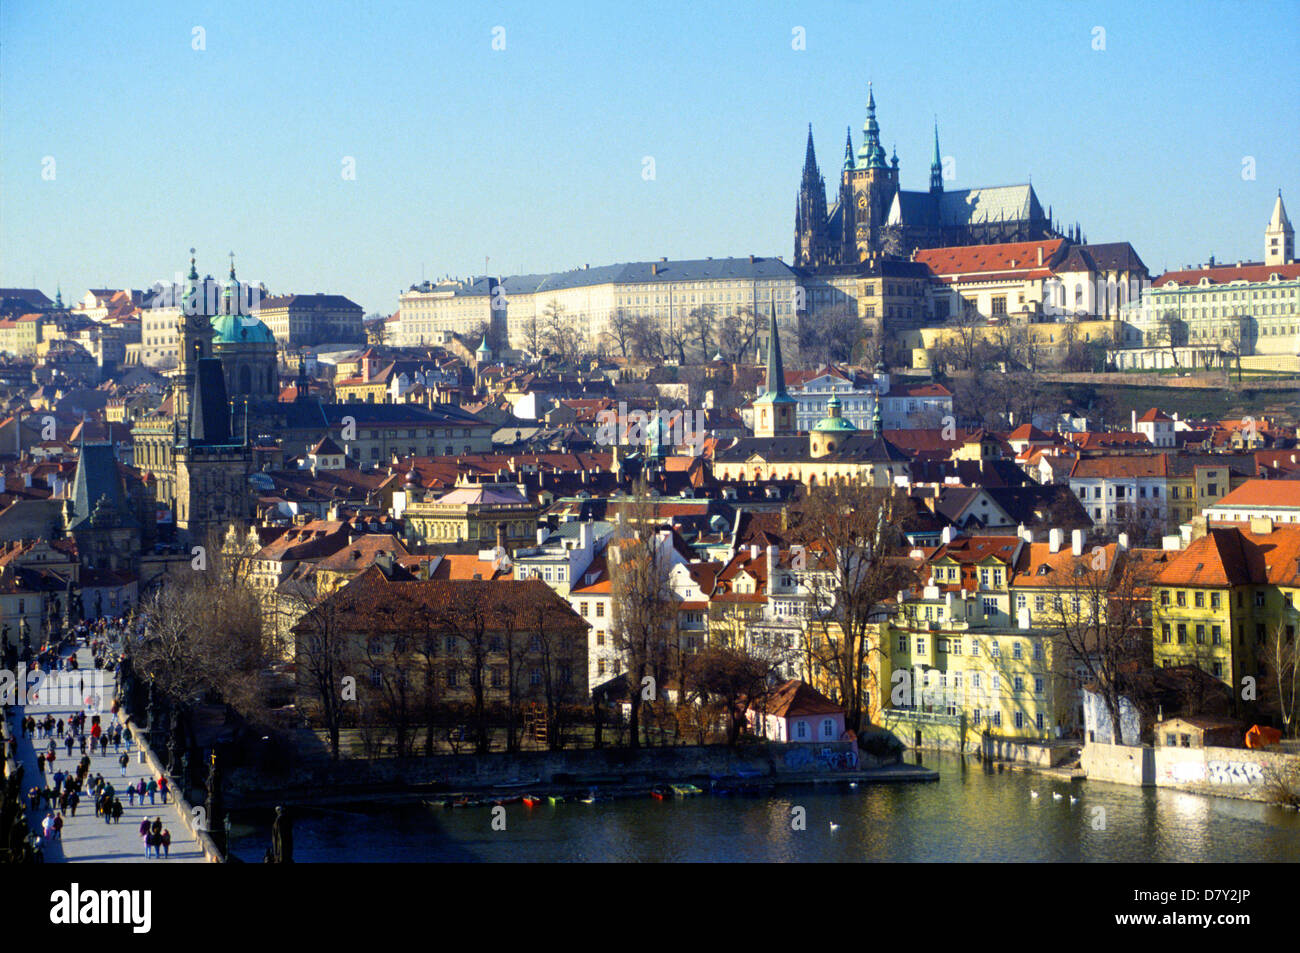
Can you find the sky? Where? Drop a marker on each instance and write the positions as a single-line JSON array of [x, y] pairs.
[[532, 137]]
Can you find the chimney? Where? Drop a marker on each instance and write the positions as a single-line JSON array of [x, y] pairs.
[[1054, 540], [1040, 256], [1076, 542], [1261, 525], [501, 535], [948, 534], [542, 533], [1133, 425], [773, 557], [1121, 544], [654, 268], [584, 536], [753, 550]]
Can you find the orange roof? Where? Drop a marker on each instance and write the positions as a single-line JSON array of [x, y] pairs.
[[1152, 415], [1015, 257], [1254, 271], [1273, 493], [1131, 466]]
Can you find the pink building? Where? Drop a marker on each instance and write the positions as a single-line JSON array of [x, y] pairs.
[[796, 712]]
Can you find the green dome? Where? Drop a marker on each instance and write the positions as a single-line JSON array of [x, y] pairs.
[[231, 329], [833, 422]]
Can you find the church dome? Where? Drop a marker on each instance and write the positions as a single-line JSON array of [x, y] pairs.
[[231, 329], [833, 422]]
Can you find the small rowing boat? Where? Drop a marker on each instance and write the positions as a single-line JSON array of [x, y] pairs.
[[685, 790], [531, 800]]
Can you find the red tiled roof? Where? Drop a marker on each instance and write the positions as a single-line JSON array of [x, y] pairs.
[[1274, 493], [1254, 271], [994, 261]]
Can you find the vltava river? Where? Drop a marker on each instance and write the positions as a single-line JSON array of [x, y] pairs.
[[971, 814]]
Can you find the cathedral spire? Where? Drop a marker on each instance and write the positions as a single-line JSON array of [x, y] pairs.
[[872, 154], [848, 148], [810, 157], [936, 164]]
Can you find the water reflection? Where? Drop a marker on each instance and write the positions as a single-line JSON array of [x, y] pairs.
[[974, 813]]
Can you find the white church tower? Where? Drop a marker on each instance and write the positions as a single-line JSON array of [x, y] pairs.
[[1279, 237]]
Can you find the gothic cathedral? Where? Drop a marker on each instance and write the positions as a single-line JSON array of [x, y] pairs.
[[873, 216]]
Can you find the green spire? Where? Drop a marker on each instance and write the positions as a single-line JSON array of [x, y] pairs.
[[190, 302], [872, 154], [848, 148], [775, 389], [232, 288]]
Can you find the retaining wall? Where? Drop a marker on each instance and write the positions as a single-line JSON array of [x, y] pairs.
[[1226, 772], [558, 767]]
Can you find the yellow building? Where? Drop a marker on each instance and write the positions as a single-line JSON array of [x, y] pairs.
[[1217, 604], [1048, 338], [472, 511]]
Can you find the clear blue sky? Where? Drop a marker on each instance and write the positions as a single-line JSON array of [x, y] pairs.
[[533, 155]]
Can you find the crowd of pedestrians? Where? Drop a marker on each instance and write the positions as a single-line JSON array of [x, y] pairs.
[[86, 736]]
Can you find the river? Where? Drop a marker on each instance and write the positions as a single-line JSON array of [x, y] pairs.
[[973, 813]]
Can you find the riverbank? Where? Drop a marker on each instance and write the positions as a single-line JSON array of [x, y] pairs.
[[611, 773]]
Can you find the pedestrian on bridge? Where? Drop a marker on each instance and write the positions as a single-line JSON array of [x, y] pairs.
[[68, 743], [162, 787], [73, 800], [123, 761], [117, 810], [152, 789]]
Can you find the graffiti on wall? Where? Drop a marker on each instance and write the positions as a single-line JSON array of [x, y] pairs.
[[1235, 772]]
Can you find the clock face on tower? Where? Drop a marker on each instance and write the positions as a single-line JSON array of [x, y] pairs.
[[862, 201]]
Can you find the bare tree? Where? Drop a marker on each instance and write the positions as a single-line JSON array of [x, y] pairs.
[[738, 333], [830, 335], [1171, 332], [1100, 618], [325, 656], [965, 326], [621, 327], [645, 612], [851, 531], [1280, 689], [701, 323]]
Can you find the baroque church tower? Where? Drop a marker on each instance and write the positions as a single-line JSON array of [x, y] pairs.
[[212, 464]]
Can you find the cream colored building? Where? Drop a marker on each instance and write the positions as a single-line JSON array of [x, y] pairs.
[[593, 299]]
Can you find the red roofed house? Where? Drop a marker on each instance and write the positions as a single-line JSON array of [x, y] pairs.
[[1156, 426], [1278, 500], [796, 712]]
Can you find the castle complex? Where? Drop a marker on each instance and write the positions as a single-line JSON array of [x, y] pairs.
[[871, 215]]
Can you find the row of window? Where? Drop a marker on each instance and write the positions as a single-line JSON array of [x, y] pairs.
[[953, 646]]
